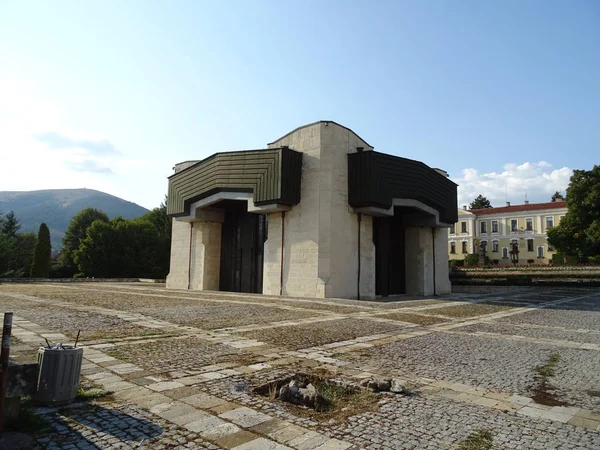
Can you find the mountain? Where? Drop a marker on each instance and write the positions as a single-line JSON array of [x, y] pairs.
[[56, 207]]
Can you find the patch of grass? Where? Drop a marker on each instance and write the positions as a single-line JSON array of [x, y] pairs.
[[547, 370], [89, 391], [477, 440]]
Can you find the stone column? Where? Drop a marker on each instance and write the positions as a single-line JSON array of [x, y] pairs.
[[206, 256], [180, 251]]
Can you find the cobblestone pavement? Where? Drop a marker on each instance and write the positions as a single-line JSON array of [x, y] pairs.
[[319, 333], [175, 355], [185, 362], [574, 319], [423, 423], [114, 426], [93, 326], [512, 329]]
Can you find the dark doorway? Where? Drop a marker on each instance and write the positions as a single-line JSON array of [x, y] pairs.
[[390, 266], [243, 237]]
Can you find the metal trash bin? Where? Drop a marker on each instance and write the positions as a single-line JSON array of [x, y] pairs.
[[58, 379]]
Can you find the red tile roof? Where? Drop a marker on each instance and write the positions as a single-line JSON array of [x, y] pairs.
[[520, 208]]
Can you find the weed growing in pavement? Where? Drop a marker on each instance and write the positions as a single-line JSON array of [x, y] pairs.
[[547, 370], [88, 391], [543, 392], [477, 440]]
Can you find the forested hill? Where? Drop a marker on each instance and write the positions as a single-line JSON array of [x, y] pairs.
[[56, 207]]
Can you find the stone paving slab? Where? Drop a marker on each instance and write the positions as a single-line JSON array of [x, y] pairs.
[[113, 426]]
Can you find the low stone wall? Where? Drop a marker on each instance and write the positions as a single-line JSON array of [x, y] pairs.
[[80, 280], [527, 276]]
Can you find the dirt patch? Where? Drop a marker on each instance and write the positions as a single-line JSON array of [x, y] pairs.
[[319, 398], [543, 392]]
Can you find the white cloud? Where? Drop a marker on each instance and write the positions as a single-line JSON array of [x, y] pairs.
[[537, 180]]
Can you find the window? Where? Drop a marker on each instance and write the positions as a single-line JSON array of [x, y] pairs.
[[463, 227], [483, 227], [464, 247], [529, 224], [514, 225], [484, 246], [453, 228], [452, 247], [504, 253], [549, 222], [495, 246], [514, 244], [494, 226], [529, 245], [540, 252], [550, 248]]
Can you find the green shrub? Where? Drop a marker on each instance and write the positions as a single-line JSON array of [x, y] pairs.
[[561, 258], [471, 260], [456, 263]]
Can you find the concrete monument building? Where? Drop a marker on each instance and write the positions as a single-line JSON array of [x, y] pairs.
[[318, 213]]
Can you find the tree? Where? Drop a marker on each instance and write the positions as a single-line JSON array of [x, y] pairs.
[[557, 196], [120, 249], [480, 202], [9, 225], [40, 268], [75, 233], [578, 233], [19, 254], [16, 249], [162, 224]]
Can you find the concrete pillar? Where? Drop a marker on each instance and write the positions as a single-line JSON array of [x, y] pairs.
[[416, 260], [206, 256], [180, 251], [442, 276], [420, 261], [272, 256], [199, 263]]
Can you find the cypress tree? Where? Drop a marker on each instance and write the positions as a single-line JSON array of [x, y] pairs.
[[40, 268]]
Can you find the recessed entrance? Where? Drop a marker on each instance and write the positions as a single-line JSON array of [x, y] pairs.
[[243, 237], [390, 266]]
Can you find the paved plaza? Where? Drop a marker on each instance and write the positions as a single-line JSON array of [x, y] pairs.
[[182, 366]]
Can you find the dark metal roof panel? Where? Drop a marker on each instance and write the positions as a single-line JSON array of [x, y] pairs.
[[375, 179], [272, 175]]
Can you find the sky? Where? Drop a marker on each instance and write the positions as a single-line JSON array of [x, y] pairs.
[[109, 95]]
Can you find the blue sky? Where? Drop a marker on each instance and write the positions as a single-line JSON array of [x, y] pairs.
[[110, 95]]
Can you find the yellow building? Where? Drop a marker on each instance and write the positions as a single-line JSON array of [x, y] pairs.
[[499, 230]]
